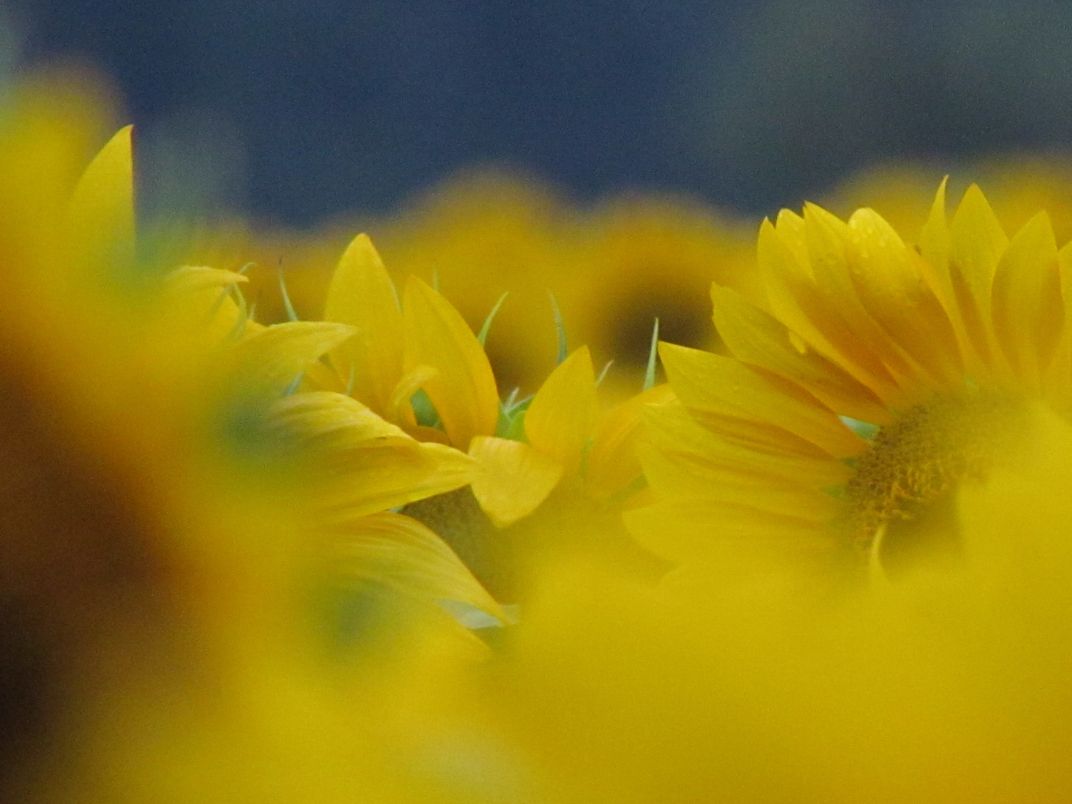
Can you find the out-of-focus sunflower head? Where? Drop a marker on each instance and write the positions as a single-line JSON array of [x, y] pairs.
[[637, 259], [413, 360], [175, 619]]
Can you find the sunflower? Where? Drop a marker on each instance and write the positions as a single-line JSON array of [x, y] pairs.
[[635, 259], [416, 364], [180, 577], [868, 383]]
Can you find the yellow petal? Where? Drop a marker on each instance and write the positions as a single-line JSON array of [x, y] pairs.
[[336, 421], [197, 299], [977, 242], [684, 477], [511, 479], [934, 245], [101, 211], [194, 278], [847, 277], [756, 338], [399, 407], [452, 470], [699, 530], [722, 388], [673, 432], [1059, 382], [612, 464], [399, 552], [379, 477], [1027, 309], [272, 358], [560, 420], [361, 464], [362, 295], [796, 302], [463, 387], [890, 281]]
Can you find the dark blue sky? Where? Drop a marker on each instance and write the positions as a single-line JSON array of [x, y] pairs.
[[300, 110]]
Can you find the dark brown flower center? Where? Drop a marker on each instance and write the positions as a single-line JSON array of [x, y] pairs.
[[904, 486]]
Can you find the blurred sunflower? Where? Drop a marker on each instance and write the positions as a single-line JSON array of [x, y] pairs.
[[870, 380], [637, 259], [178, 583]]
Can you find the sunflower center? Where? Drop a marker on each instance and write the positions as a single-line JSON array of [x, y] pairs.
[[904, 486]]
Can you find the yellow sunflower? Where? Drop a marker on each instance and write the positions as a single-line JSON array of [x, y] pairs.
[[417, 365], [638, 258], [868, 382], [182, 589]]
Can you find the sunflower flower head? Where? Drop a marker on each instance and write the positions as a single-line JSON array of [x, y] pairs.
[[866, 382], [193, 542], [414, 361]]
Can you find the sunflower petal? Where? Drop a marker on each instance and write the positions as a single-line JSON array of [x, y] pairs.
[[828, 239], [401, 553], [757, 338], [671, 430], [687, 476], [560, 420], [101, 211], [977, 242], [511, 479], [1027, 309], [199, 298], [463, 385], [719, 386], [362, 295], [362, 464], [270, 359], [612, 464], [795, 300], [699, 530], [891, 283], [934, 244], [195, 278]]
